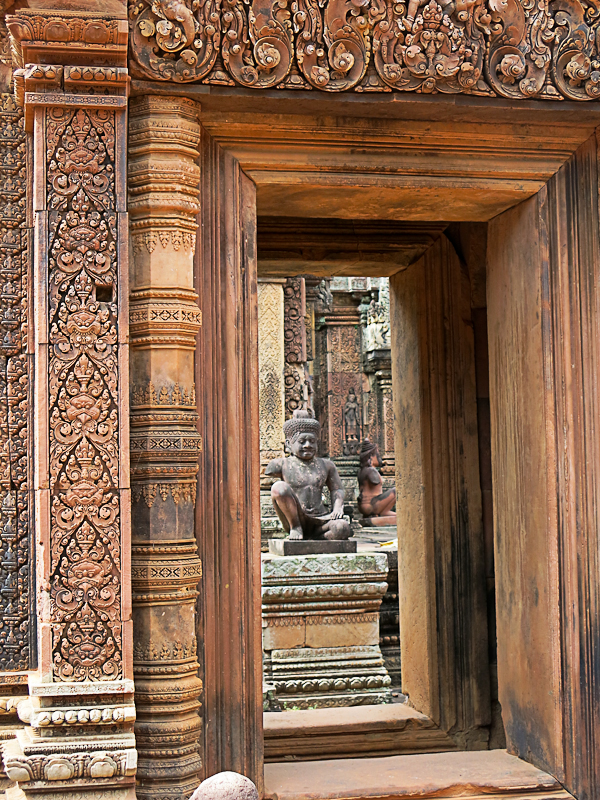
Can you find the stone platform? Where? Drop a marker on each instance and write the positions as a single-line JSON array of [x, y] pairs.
[[320, 617]]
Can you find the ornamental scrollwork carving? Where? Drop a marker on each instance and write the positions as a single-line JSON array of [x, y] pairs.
[[511, 48], [85, 584], [257, 41], [175, 40]]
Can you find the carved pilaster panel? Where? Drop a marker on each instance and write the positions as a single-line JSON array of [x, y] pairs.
[[83, 395], [342, 363], [294, 320], [164, 321]]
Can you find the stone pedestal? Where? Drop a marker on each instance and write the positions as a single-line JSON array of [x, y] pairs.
[[320, 619]]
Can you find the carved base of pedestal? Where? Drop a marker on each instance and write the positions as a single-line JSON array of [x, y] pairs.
[[327, 677], [65, 770], [50, 793]]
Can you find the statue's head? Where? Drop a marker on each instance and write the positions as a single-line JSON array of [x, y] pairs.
[[369, 452], [302, 434]]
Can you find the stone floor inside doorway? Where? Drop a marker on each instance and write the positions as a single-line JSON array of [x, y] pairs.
[[484, 775]]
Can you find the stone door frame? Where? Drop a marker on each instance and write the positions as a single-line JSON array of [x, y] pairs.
[[460, 167]]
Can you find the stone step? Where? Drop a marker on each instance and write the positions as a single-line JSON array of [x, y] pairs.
[[483, 775], [354, 732]]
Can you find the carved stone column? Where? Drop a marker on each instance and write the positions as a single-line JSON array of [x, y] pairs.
[[164, 135], [80, 709]]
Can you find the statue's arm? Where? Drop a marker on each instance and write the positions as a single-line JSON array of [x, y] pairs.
[[373, 476], [274, 468], [334, 484]]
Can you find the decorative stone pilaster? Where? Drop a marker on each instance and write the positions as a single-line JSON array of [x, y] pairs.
[[340, 387], [271, 364], [79, 738], [386, 423], [271, 396], [164, 135]]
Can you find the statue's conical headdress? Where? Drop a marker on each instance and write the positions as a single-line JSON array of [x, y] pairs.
[[301, 422]]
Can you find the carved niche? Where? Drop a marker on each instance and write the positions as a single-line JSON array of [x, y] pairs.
[[511, 48]]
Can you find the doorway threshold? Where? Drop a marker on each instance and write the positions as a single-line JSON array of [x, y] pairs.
[[351, 732], [480, 775]]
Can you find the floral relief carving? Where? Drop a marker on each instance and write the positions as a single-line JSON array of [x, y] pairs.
[[83, 396], [511, 48]]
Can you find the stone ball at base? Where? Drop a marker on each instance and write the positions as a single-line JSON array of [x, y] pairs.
[[226, 786]]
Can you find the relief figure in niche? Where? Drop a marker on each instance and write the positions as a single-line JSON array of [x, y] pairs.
[[374, 503], [351, 424], [298, 494]]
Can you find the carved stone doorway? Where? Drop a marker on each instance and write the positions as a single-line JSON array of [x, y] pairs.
[[351, 170]]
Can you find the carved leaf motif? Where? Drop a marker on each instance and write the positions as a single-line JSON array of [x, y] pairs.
[[257, 44]]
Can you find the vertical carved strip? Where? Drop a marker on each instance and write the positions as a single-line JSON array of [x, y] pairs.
[[164, 322], [14, 394], [294, 344]]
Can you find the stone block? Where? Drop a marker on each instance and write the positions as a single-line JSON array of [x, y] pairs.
[[327, 677], [343, 630], [283, 633], [304, 547]]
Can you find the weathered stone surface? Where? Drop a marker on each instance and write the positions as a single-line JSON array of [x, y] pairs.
[[345, 732]]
